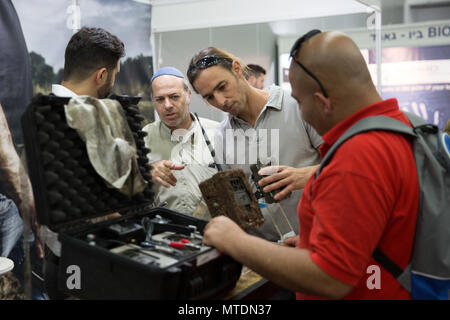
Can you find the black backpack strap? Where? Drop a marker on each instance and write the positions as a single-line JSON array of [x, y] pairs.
[[420, 124]]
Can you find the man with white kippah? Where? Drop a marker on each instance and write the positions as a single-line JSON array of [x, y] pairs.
[[179, 154]]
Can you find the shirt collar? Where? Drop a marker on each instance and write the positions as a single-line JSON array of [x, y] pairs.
[[275, 101], [167, 131], [275, 97], [378, 108], [61, 91]]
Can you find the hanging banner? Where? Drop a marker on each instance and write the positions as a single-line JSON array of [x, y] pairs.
[[415, 66], [15, 71], [420, 34], [419, 77]]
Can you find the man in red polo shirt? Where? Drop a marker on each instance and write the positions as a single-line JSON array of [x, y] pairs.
[[367, 196]]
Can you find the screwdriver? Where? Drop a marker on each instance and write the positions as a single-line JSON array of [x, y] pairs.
[[159, 248], [182, 244]]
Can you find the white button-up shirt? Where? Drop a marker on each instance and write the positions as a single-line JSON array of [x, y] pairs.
[[61, 91]]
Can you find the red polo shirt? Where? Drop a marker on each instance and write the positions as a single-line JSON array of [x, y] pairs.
[[366, 197]]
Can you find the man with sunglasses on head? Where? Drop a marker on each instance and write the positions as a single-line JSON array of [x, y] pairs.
[[271, 124], [178, 149], [365, 198]]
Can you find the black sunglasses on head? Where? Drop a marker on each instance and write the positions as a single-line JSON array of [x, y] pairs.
[[296, 48], [209, 61]]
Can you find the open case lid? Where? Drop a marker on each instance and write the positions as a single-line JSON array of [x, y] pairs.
[[67, 189]]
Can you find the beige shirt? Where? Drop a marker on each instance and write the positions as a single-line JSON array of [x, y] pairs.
[[188, 148]]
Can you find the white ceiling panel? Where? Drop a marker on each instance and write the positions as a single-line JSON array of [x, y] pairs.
[[172, 15]]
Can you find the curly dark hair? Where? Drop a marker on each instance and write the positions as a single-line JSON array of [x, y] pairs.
[[91, 49]]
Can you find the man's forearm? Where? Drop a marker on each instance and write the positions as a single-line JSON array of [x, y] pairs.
[[291, 268], [13, 177], [10, 179]]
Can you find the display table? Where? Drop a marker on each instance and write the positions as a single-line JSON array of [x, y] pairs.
[[251, 286]]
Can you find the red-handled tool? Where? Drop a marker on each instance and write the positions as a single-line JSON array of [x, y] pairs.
[[184, 245]]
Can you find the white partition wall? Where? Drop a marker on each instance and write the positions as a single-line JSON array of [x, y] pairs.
[[253, 43], [245, 28], [175, 15]]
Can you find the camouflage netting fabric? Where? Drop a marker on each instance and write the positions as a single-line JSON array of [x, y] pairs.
[[10, 287]]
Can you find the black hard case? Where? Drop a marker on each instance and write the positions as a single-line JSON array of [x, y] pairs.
[[69, 193]]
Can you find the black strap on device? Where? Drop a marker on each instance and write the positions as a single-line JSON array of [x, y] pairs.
[[208, 143]]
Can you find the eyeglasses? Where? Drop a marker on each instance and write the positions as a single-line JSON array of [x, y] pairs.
[[209, 61], [296, 48]]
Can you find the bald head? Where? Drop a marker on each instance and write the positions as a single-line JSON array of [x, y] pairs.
[[338, 65], [336, 60]]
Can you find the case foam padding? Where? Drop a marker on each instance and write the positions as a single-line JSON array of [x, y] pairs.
[[66, 186]]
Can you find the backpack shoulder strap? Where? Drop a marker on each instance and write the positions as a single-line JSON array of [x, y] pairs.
[[369, 124], [415, 120], [380, 123]]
